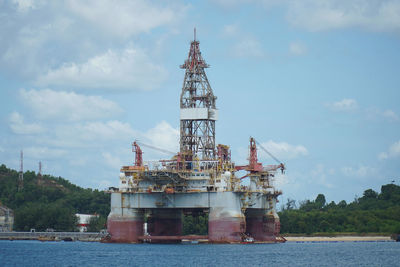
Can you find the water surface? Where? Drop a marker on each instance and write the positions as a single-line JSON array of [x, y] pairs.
[[36, 253]]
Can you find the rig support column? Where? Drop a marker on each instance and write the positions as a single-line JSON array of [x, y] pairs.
[[124, 224], [262, 225], [225, 225]]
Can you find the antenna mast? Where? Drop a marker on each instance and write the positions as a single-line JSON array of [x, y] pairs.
[[21, 173], [198, 112], [40, 169]]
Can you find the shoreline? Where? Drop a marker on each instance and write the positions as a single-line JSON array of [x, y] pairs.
[[96, 237], [344, 238]]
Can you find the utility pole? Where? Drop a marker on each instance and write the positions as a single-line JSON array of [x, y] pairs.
[[40, 169]]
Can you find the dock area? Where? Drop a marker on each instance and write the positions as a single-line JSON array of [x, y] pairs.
[[53, 236]]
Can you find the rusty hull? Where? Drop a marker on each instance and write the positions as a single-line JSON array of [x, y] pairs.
[[125, 230], [262, 225]]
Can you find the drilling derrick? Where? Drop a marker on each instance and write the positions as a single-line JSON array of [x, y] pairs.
[[197, 108]]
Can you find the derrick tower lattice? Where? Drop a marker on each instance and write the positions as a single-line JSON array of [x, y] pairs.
[[198, 112]]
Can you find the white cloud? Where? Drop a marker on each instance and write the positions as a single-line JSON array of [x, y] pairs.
[[322, 15], [91, 133], [376, 114], [316, 15], [242, 44], [41, 153], [88, 135], [361, 171], [127, 69], [391, 115], [393, 151], [127, 17], [66, 36], [163, 136], [297, 48], [230, 30], [111, 160], [346, 104], [383, 155], [248, 48], [49, 104], [24, 5], [282, 150], [229, 4], [19, 126], [319, 174], [109, 130]]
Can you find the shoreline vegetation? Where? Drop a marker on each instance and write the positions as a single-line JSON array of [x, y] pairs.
[[372, 213]]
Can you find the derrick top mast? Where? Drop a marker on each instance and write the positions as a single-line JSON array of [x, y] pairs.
[[198, 111]]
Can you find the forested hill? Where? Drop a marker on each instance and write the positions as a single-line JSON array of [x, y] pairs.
[[372, 213], [49, 202]]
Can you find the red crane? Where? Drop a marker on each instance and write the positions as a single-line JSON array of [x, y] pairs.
[[254, 165], [138, 154]]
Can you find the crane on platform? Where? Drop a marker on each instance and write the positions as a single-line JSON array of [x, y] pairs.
[[138, 154], [254, 165]]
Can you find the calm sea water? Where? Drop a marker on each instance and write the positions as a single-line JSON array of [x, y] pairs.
[[36, 253]]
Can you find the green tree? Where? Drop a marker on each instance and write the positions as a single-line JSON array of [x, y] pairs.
[[290, 204], [320, 201], [96, 224], [369, 193]]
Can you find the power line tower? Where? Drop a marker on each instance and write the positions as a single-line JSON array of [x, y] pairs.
[[198, 112], [39, 176], [21, 173]]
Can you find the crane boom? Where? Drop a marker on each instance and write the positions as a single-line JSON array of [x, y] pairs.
[[269, 153], [156, 148]]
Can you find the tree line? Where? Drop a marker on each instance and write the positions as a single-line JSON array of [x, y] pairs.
[[372, 213]]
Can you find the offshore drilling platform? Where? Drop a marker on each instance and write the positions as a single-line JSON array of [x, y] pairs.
[[199, 178]]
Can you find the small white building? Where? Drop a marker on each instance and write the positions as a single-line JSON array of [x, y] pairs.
[[83, 221]]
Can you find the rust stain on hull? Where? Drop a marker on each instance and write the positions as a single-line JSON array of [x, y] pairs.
[[124, 231]]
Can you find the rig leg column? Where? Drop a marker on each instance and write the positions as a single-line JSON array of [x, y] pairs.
[[262, 225], [125, 228], [225, 225]]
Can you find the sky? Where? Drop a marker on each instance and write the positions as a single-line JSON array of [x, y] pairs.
[[316, 82]]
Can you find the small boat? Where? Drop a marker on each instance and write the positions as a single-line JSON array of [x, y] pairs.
[[247, 240]]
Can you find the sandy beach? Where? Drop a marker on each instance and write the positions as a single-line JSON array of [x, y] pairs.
[[338, 238]]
